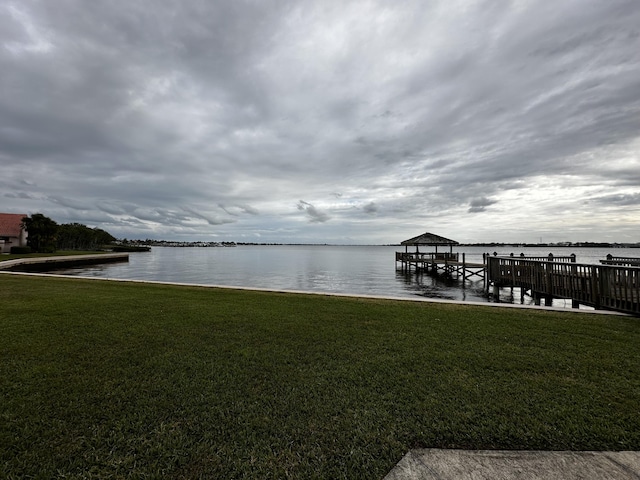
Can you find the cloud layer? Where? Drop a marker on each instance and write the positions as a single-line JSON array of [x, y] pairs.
[[364, 122]]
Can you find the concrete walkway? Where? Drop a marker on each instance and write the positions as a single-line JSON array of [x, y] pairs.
[[59, 261], [435, 464]]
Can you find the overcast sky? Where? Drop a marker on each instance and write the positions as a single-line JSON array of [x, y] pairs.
[[324, 121]]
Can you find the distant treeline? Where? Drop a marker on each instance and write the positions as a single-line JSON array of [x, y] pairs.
[[170, 243], [556, 245]]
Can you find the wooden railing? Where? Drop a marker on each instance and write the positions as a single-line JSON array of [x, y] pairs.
[[426, 257], [628, 261], [612, 287], [548, 258]]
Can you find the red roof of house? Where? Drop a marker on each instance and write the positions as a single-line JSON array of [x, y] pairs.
[[10, 224]]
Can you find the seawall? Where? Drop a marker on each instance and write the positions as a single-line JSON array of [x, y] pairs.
[[40, 264]]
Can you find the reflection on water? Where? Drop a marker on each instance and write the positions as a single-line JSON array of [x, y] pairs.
[[433, 285], [369, 270]]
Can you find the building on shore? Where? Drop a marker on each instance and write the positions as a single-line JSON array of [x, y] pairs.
[[12, 233]]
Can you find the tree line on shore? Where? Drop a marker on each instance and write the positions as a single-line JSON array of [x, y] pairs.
[[44, 235]]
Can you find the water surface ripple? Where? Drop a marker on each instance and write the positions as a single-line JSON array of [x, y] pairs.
[[369, 270]]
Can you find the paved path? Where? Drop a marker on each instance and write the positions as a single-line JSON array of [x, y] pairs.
[[64, 259], [435, 464]]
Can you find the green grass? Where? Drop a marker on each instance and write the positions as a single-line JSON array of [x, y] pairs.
[[105, 379]]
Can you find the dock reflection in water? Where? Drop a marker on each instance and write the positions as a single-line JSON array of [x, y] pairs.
[[369, 270], [433, 285]]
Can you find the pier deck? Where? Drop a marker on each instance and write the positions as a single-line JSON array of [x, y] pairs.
[[445, 263], [611, 287]]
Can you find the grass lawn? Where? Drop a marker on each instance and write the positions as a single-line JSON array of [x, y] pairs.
[[105, 379]]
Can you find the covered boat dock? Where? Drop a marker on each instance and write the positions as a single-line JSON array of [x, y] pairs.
[[443, 261]]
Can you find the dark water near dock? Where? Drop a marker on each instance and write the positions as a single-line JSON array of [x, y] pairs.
[[368, 270]]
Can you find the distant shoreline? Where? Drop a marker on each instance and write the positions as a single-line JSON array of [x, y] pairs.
[[163, 243]]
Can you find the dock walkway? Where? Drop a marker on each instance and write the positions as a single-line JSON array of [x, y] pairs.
[[605, 286], [443, 263]]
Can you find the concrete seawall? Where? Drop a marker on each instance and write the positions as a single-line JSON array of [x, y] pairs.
[[40, 264]]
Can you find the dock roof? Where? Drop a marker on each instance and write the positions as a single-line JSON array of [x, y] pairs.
[[429, 239]]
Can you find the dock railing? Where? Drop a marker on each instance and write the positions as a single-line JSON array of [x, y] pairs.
[[411, 257], [628, 261], [612, 287], [545, 258]]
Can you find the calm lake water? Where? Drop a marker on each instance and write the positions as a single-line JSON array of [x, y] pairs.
[[369, 270]]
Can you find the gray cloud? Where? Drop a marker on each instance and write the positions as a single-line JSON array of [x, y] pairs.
[[631, 200], [204, 119], [21, 195], [314, 215], [480, 204], [370, 208], [211, 220], [67, 202]]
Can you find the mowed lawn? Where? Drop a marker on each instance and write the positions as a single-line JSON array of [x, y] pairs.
[[103, 379]]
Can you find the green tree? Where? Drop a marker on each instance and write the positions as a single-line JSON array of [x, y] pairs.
[[103, 237], [75, 236], [41, 233]]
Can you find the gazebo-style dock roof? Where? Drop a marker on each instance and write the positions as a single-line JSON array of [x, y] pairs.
[[448, 262], [429, 239]]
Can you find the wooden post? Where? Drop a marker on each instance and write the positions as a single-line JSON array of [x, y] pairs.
[[601, 279], [464, 267], [595, 291], [485, 280], [549, 277]]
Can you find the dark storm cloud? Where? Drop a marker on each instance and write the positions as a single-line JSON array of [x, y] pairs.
[[206, 118]]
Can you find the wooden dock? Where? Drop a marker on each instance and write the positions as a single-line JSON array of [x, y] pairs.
[[612, 285], [445, 263]]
